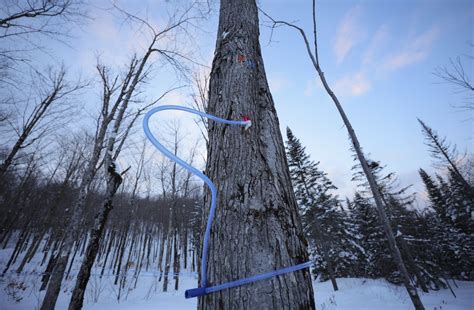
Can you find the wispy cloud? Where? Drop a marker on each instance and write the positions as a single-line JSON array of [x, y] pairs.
[[377, 43], [311, 86], [415, 51], [278, 83], [353, 85], [348, 34]]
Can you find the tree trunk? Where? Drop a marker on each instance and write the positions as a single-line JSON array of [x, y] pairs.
[[411, 263], [176, 260], [83, 276], [411, 290], [112, 238], [54, 284], [169, 247], [185, 248], [256, 227], [160, 255]]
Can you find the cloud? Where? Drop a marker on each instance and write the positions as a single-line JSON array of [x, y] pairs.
[[378, 41], [277, 83], [348, 34], [353, 85], [312, 85], [415, 51]]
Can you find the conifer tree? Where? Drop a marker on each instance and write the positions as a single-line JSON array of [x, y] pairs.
[[445, 153], [332, 247], [450, 229], [403, 217], [377, 259], [436, 198], [461, 204]]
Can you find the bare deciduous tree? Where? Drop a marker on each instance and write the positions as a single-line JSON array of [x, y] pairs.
[[138, 74], [51, 104], [24, 22], [456, 75], [313, 55]]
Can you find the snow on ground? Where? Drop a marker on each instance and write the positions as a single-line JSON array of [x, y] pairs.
[[21, 292]]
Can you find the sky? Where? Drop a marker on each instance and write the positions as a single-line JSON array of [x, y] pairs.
[[378, 56]]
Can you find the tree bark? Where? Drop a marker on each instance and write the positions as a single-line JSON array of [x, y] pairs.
[[77, 297], [256, 227], [160, 255], [411, 263], [169, 247]]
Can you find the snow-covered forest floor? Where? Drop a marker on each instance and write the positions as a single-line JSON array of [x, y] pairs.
[[21, 291]]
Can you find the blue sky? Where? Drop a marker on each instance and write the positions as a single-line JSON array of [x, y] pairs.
[[379, 57]]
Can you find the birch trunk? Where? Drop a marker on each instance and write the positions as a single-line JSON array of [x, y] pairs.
[[176, 260], [77, 297], [256, 227], [160, 254], [169, 247]]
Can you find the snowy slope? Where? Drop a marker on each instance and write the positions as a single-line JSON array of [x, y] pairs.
[[21, 292]]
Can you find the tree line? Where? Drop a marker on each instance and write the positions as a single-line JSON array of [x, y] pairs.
[[346, 237], [66, 198]]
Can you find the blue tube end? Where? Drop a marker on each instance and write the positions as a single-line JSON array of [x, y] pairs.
[[195, 292]]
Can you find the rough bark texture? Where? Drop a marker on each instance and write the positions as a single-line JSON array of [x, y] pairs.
[[256, 227]]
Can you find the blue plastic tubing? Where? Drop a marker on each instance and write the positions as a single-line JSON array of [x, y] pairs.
[[203, 290]]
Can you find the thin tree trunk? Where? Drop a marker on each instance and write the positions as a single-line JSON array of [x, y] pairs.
[[176, 260], [185, 248], [73, 226], [377, 197], [47, 273], [54, 284], [112, 237], [160, 254], [256, 227], [83, 276], [76, 249], [169, 247], [411, 290], [411, 262], [19, 244], [31, 251]]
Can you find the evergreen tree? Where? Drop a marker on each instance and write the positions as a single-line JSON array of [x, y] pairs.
[[446, 155], [461, 204], [377, 259], [450, 229], [399, 205], [436, 197], [331, 244]]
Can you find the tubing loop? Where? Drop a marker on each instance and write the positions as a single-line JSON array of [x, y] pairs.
[[204, 289]]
